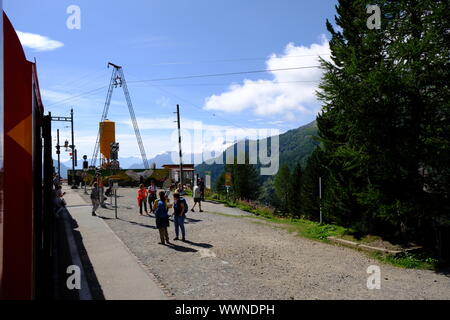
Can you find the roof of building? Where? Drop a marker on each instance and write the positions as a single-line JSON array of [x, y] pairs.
[[177, 166]]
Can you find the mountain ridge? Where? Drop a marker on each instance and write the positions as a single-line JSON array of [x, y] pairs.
[[296, 145]]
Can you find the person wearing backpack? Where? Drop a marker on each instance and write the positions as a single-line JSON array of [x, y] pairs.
[[180, 208], [161, 208]]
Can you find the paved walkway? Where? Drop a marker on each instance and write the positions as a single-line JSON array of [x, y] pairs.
[[118, 271]]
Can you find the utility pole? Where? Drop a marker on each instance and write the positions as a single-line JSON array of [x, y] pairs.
[[74, 186], [58, 152], [179, 144]]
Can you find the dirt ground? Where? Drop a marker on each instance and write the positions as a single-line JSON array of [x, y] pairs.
[[230, 257]]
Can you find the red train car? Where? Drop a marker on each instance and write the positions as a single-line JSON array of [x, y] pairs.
[[25, 180]]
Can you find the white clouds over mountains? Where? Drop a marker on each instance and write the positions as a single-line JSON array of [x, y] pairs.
[[38, 42], [288, 94]]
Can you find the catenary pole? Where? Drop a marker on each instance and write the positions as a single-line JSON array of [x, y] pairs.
[[179, 144], [74, 186]]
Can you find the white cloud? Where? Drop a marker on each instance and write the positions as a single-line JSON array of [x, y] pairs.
[[211, 140], [169, 123], [283, 95], [38, 42], [214, 137]]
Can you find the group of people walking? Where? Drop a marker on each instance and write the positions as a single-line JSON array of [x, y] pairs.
[[159, 204]]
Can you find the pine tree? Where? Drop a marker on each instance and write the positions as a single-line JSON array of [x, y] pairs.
[[220, 183], [310, 187], [350, 120], [282, 190], [295, 185], [385, 120], [266, 196], [245, 181]]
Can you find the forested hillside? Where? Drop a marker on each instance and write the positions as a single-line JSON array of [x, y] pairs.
[[295, 147]]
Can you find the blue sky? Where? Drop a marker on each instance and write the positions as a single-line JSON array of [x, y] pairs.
[[166, 39]]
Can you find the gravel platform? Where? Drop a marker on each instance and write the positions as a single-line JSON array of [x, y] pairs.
[[230, 257]]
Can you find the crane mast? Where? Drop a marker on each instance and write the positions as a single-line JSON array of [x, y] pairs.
[[118, 80]]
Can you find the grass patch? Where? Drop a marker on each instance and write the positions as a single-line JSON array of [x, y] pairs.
[[305, 228], [407, 260], [314, 230]]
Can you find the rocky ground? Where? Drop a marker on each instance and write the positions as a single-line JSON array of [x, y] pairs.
[[228, 256]]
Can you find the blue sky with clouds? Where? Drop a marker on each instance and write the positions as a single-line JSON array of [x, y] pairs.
[[169, 39]]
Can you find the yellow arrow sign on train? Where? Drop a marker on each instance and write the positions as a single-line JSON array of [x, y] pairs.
[[21, 134]]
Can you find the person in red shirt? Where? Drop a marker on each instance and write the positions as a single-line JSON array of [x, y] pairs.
[[142, 198]]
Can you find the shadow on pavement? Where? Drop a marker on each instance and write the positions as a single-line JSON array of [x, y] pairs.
[[198, 244], [105, 218], [186, 220], [180, 248], [190, 220], [91, 277], [138, 224]]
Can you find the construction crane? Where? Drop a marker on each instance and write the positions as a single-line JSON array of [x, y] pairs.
[[118, 80]]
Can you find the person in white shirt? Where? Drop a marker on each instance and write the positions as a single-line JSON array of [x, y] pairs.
[[152, 189], [196, 193]]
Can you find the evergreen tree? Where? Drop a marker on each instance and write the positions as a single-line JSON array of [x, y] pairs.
[[245, 179], [267, 194], [310, 187], [385, 120], [283, 191], [295, 186], [351, 116], [220, 183]]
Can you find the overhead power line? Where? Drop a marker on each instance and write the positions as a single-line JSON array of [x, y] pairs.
[[77, 96], [186, 77], [226, 84], [236, 59], [224, 74], [197, 107]]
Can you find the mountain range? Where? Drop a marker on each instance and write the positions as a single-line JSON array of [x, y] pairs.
[[295, 147], [125, 163]]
